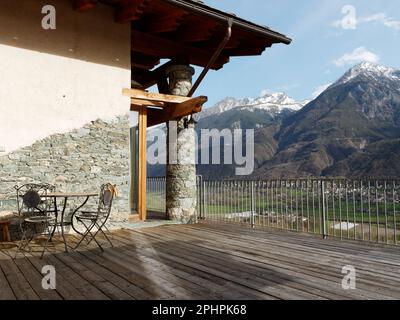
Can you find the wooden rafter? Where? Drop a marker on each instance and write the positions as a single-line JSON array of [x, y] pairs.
[[130, 11], [141, 61], [157, 46], [167, 24], [244, 52], [83, 5], [147, 103], [197, 33], [155, 97], [149, 78]]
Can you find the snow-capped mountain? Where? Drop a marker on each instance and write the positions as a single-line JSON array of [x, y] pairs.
[[352, 129], [274, 103], [369, 71]]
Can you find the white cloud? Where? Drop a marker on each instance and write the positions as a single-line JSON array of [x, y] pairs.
[[320, 89], [360, 54], [382, 18], [350, 21]]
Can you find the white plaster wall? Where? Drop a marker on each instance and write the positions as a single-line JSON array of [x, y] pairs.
[[52, 81]]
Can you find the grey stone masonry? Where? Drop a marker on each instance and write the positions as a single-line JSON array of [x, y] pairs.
[[181, 174], [81, 160]]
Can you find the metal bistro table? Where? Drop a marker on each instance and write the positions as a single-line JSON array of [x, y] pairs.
[[60, 218]]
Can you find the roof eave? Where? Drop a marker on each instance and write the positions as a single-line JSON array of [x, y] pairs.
[[200, 8]]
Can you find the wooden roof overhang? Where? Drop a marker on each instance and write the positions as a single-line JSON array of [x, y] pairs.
[[184, 31]]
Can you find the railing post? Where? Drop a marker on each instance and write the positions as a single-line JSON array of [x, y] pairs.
[[200, 197], [323, 202], [203, 192], [252, 202]]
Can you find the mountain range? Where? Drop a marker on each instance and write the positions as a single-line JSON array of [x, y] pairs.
[[352, 129]]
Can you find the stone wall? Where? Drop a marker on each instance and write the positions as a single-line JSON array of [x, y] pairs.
[[80, 160]]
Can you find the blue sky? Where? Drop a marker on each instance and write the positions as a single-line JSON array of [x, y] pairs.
[[326, 42]]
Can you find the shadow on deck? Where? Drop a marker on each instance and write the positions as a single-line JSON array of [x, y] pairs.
[[206, 261]]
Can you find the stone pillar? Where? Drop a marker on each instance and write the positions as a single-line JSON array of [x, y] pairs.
[[181, 161]]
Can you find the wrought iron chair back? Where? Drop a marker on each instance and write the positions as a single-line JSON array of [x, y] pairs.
[[33, 209], [107, 193], [32, 200]]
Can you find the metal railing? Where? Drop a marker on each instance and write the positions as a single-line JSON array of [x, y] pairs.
[[156, 194], [354, 209], [156, 190]]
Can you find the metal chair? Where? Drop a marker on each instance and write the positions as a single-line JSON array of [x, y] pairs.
[[95, 221], [33, 212]]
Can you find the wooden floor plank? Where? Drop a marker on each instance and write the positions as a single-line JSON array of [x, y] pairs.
[[6, 293], [17, 281], [184, 277], [278, 251], [233, 272], [205, 261], [316, 281], [89, 291], [102, 284], [284, 245], [131, 274], [65, 288], [34, 278]]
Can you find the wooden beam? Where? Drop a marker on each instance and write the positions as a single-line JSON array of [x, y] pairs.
[[192, 106], [145, 62], [188, 107], [201, 31], [163, 48], [147, 103], [162, 85], [167, 24], [130, 11], [83, 5], [154, 97], [245, 51], [142, 183], [149, 78]]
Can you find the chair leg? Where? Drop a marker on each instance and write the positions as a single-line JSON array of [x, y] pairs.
[[85, 234], [108, 230], [24, 239], [100, 229], [49, 237], [63, 236], [93, 236], [96, 233]]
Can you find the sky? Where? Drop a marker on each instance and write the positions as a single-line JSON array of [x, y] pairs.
[[329, 37]]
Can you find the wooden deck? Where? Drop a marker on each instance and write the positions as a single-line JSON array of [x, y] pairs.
[[207, 261]]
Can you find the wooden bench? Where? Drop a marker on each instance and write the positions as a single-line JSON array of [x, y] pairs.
[[5, 221]]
